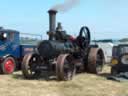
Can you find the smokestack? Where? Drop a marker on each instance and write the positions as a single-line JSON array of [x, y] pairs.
[[52, 23]]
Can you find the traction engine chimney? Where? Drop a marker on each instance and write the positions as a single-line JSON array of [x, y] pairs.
[[52, 24]]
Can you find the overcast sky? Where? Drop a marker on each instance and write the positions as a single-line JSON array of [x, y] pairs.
[[105, 18]]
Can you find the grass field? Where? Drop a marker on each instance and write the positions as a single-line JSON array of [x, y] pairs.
[[81, 85]]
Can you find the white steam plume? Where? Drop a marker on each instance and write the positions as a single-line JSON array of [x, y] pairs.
[[67, 5]]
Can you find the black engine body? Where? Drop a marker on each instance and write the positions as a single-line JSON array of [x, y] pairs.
[[50, 49], [60, 42]]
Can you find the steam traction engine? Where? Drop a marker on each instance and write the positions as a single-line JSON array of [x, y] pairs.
[[62, 54]]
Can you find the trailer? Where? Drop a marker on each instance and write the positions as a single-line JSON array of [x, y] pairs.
[[11, 51]]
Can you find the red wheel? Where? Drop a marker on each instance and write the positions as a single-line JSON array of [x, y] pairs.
[[8, 65], [65, 69]]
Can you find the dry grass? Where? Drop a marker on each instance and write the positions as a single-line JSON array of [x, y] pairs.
[[81, 85]]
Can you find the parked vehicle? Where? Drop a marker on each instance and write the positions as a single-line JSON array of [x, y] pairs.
[[119, 61], [62, 54], [11, 51]]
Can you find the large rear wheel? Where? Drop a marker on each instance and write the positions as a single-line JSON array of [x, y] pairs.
[[65, 69], [29, 65], [95, 60]]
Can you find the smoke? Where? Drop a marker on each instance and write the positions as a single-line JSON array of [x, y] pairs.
[[67, 5]]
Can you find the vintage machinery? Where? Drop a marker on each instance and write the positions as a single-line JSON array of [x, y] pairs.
[[119, 60], [62, 54]]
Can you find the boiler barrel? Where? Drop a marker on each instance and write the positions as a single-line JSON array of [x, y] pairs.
[[51, 49]]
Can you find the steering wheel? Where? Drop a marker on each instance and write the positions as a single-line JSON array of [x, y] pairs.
[[84, 37]]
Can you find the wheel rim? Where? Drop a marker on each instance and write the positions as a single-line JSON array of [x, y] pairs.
[[65, 68], [95, 61], [32, 66], [9, 66], [29, 66]]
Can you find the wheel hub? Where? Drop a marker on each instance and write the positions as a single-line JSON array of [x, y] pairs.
[[9, 66]]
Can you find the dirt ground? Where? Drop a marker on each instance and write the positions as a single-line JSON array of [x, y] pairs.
[[82, 85]]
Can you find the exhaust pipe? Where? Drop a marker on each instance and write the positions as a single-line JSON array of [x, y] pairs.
[[52, 23]]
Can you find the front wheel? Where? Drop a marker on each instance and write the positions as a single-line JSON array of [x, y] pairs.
[[65, 69], [8, 65], [29, 65]]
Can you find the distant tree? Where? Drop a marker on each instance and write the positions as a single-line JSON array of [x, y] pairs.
[[103, 40], [124, 40]]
